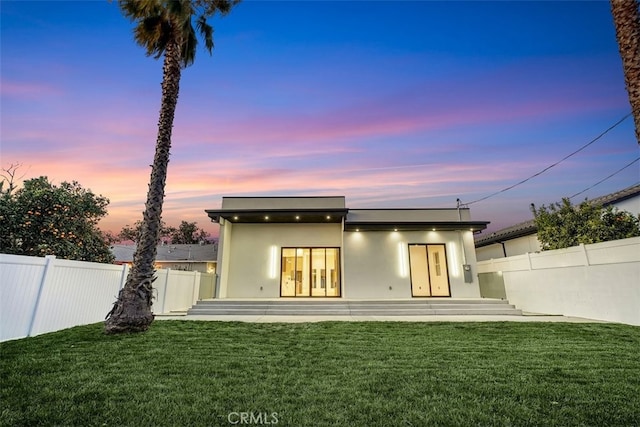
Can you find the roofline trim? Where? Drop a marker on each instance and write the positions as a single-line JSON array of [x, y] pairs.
[[415, 225], [410, 209]]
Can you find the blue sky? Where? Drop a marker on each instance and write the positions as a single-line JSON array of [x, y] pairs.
[[392, 104]]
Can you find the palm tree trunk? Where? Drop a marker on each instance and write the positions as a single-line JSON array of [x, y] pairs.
[[626, 16], [132, 310]]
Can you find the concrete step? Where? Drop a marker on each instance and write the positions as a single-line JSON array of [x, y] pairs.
[[428, 301], [222, 312], [338, 301], [425, 312], [340, 307]]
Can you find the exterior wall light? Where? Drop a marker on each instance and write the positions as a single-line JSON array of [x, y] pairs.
[[273, 262], [403, 268]]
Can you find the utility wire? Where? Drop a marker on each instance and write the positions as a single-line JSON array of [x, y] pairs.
[[555, 164], [603, 180]]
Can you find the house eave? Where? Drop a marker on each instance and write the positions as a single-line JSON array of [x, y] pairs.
[[416, 226], [283, 216]]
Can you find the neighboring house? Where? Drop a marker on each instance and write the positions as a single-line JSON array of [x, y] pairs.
[[194, 257], [272, 247], [522, 238]]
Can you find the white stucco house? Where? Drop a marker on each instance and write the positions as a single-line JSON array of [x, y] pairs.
[[316, 247]]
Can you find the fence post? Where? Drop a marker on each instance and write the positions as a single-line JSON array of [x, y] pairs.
[[196, 287], [166, 286], [586, 254], [125, 274], [49, 260]]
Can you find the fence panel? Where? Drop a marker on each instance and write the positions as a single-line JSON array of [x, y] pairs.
[[569, 257], [513, 263], [76, 293], [598, 281], [39, 295], [180, 290], [620, 251], [207, 286], [160, 291], [20, 279]]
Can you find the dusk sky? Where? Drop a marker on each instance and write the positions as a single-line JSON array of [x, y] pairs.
[[391, 104]]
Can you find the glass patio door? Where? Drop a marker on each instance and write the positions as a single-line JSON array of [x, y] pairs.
[[438, 275], [419, 271], [310, 272], [429, 273]]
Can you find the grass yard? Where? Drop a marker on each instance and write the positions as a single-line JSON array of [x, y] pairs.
[[187, 373]]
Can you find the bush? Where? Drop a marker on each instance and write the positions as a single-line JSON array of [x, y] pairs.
[[562, 225]]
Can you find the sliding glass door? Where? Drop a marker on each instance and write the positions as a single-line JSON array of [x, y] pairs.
[[310, 272]]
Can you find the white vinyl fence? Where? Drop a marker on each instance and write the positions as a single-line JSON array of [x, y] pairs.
[[599, 281], [39, 295]]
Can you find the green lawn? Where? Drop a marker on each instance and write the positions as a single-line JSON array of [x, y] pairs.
[[184, 373]]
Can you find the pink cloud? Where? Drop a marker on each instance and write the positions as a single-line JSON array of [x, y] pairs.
[[497, 97], [316, 149], [26, 90]]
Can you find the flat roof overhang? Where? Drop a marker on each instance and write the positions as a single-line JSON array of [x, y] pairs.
[[282, 216], [417, 226]]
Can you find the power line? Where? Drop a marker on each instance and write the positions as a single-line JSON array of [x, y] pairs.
[[554, 164], [603, 180]]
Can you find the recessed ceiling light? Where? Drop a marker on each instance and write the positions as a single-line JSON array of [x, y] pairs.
[[235, 218], [266, 218], [328, 216], [297, 216]]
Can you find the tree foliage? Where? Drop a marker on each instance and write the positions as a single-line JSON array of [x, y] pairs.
[[562, 225], [132, 233], [160, 22], [186, 233], [9, 178], [44, 219]]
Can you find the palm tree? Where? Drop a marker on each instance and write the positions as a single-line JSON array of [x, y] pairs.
[[162, 27], [626, 16]]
